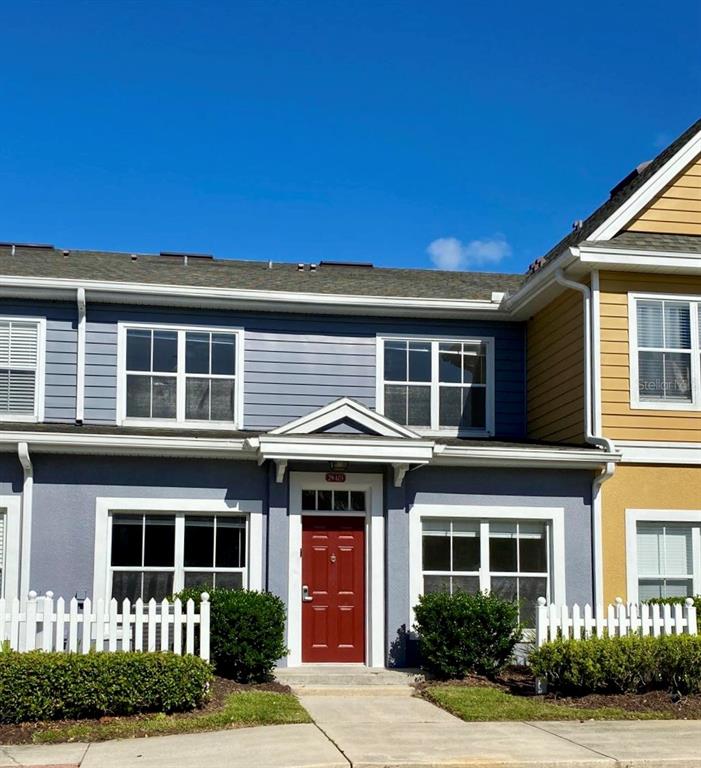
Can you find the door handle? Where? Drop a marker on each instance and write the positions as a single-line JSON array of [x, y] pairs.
[[306, 597]]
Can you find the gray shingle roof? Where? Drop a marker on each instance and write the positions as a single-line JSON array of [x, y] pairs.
[[253, 275], [651, 241], [622, 193]]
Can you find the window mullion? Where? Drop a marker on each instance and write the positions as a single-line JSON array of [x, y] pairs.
[[180, 379], [485, 577], [435, 387], [695, 354]]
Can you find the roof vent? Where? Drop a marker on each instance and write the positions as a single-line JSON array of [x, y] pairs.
[[577, 224], [300, 267], [186, 256], [42, 246], [356, 264], [627, 180]]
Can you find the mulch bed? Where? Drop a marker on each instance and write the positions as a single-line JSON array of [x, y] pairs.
[[220, 691], [520, 682]]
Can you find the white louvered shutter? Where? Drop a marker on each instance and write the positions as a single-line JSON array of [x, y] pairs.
[[19, 348]]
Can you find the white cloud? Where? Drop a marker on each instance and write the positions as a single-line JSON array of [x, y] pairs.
[[451, 253]]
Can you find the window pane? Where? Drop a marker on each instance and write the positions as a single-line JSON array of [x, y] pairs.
[[395, 360], [470, 584], [502, 551], [530, 589], [651, 375], [678, 588], [436, 584], [165, 351], [419, 361], [474, 365], [139, 397], [138, 349], [157, 585], [677, 376], [197, 399], [650, 543], [395, 403], [466, 553], [436, 553], [126, 585], [229, 580], [650, 330], [449, 364], [309, 500], [159, 540], [533, 554], [126, 539], [324, 501], [419, 406], [451, 405], [224, 354], [199, 542], [650, 589], [505, 587], [222, 399], [678, 557], [231, 542], [357, 501], [475, 411], [164, 389], [677, 325], [196, 352], [204, 579], [340, 501]]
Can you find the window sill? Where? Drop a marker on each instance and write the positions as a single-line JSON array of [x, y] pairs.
[[663, 405], [20, 418], [223, 426]]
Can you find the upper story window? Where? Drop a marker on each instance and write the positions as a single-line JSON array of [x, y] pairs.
[[665, 353], [21, 342], [437, 384], [180, 375]]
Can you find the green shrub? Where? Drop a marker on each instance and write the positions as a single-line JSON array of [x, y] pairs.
[[247, 632], [464, 633], [54, 686], [630, 664], [679, 601]]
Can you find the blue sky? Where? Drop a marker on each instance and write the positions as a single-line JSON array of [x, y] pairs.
[[309, 130]]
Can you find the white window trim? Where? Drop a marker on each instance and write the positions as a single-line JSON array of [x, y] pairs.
[[695, 351], [180, 375], [9, 586], [665, 517], [374, 560], [419, 512], [40, 375], [488, 341], [107, 506]]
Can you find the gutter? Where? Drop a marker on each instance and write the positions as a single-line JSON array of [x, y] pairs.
[[26, 524], [591, 417]]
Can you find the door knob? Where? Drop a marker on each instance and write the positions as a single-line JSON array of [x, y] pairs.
[[306, 597]]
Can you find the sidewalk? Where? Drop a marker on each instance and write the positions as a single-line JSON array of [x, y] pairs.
[[357, 729]]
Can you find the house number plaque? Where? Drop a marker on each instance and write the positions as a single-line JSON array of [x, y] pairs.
[[335, 477]]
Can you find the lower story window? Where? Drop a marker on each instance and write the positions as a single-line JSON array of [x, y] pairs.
[[155, 555], [665, 553], [508, 558]]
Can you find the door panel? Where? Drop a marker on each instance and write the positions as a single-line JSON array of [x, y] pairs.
[[333, 569]]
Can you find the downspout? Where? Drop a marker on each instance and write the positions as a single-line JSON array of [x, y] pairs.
[[592, 426], [26, 530], [80, 367]]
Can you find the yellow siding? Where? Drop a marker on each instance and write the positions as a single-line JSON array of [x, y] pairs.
[[620, 422], [640, 487], [556, 371], [677, 209]]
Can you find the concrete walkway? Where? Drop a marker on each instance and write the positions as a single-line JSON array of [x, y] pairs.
[[361, 728]]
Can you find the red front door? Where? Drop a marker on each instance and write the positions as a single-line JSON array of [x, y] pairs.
[[333, 574]]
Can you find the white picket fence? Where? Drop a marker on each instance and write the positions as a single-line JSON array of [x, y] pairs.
[[619, 619], [44, 624]]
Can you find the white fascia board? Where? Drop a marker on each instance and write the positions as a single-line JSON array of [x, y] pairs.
[[653, 186], [175, 295], [655, 261], [639, 452], [291, 448], [478, 456], [143, 445]]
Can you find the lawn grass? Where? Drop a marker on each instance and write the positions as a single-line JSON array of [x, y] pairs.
[[240, 709], [486, 703]]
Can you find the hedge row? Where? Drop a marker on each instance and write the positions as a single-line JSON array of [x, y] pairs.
[[54, 686], [630, 664]]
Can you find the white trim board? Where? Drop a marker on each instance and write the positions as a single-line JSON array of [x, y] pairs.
[[554, 515], [11, 505], [633, 517], [640, 452], [106, 505], [374, 562]]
